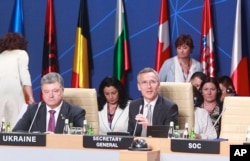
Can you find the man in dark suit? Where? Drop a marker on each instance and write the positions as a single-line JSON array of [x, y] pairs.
[[161, 109], [52, 86]]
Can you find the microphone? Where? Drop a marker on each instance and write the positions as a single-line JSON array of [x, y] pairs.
[[33, 120], [137, 120], [217, 120]]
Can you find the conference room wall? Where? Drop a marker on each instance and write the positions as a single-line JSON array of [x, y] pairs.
[[142, 20]]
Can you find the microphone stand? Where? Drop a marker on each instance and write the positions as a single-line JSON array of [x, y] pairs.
[[137, 121], [33, 120]]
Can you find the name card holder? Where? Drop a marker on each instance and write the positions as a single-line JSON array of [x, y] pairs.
[[23, 139], [195, 146], [107, 141]]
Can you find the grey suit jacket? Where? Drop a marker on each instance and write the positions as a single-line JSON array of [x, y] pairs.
[[165, 111], [75, 114]]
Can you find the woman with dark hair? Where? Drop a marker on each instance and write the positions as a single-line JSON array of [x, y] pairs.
[[226, 87], [211, 93], [181, 67], [14, 77], [113, 105]]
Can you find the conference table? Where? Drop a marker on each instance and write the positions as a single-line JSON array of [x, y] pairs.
[[70, 147]]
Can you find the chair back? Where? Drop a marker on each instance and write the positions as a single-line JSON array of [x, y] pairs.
[[235, 119], [87, 99], [182, 95]]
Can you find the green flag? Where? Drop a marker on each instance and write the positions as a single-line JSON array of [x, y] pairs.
[[121, 55]]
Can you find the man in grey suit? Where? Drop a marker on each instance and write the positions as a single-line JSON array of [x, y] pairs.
[[152, 108], [37, 118]]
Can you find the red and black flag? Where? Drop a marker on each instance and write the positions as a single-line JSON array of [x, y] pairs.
[[50, 62]]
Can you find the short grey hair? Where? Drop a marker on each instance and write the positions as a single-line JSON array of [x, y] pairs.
[[148, 70], [52, 77]]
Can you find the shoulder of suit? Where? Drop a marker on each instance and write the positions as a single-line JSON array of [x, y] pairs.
[[70, 105], [166, 100], [136, 101]]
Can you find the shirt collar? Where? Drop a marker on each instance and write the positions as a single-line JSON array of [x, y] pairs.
[[152, 103], [57, 109]]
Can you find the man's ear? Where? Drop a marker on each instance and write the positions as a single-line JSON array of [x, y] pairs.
[[138, 87]]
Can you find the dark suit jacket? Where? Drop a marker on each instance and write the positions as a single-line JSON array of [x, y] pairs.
[[164, 111], [74, 113]]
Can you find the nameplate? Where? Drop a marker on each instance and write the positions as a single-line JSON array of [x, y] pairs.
[[20, 139], [195, 146], [240, 152], [107, 142]]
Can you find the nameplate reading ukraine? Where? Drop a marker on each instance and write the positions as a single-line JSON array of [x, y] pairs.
[[107, 142], [195, 146], [21, 139]]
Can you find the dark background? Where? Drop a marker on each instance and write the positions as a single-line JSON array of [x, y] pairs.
[[142, 19]]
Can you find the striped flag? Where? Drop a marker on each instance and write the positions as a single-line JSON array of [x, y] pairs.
[[121, 54], [50, 62], [16, 24], [163, 42], [239, 64], [80, 71], [207, 39]]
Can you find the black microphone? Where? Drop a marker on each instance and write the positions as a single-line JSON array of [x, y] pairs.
[[137, 120], [39, 105]]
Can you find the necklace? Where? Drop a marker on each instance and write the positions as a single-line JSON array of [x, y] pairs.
[[183, 67], [112, 110], [111, 113], [210, 107]]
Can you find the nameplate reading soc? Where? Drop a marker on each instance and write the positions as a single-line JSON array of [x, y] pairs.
[[21, 139], [195, 146], [107, 142]]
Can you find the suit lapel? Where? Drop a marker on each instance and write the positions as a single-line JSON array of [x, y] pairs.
[[61, 118], [40, 123], [157, 111], [104, 117], [117, 115]]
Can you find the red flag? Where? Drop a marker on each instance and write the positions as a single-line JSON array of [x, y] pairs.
[[163, 43], [239, 64], [80, 73], [121, 55], [207, 39], [50, 62]]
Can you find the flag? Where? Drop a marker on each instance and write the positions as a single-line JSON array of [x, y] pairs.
[[207, 39], [80, 71], [239, 64], [50, 62], [16, 24], [163, 43], [121, 54]]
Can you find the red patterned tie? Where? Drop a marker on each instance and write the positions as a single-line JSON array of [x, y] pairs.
[[51, 126]]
